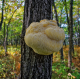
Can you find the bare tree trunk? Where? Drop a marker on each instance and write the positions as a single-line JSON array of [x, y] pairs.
[[78, 26], [56, 16], [71, 35], [68, 20], [61, 50], [5, 41], [67, 15], [2, 14], [4, 35], [65, 42], [11, 39], [35, 66]]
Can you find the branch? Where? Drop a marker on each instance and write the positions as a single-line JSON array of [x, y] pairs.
[[12, 16]]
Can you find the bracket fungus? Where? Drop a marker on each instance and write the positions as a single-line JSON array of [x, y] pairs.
[[44, 37]]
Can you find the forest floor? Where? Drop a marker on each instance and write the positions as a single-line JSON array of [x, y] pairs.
[[10, 64]]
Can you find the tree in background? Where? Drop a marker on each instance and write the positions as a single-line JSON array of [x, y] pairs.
[[2, 14], [78, 23], [35, 66], [9, 17], [71, 35], [56, 16]]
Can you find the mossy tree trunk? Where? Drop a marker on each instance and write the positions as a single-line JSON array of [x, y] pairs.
[[35, 66]]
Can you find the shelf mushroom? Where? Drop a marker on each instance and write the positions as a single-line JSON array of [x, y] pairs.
[[44, 37]]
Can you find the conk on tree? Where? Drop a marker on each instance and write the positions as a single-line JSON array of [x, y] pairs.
[[44, 37]]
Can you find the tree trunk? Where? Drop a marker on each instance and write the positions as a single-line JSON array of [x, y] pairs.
[[65, 42], [56, 16], [61, 50], [2, 14], [68, 20], [4, 35], [78, 27], [67, 15], [71, 35], [11, 40], [5, 41], [16, 41], [35, 66], [7, 35]]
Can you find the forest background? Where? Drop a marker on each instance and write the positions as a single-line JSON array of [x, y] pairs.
[[11, 22]]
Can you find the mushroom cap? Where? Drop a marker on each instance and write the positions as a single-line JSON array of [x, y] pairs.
[[44, 37]]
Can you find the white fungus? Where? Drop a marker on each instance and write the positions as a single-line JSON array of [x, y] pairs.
[[44, 37]]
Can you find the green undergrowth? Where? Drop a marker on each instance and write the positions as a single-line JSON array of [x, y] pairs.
[[61, 71]]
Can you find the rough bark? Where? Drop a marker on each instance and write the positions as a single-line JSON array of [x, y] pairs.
[[35, 66], [71, 35]]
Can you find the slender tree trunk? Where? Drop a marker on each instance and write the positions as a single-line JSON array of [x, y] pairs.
[[60, 25], [61, 50], [65, 42], [2, 14], [7, 35], [35, 66], [11, 40], [5, 41], [16, 41], [68, 20], [78, 26], [56, 16], [71, 35], [4, 35], [75, 31], [67, 15]]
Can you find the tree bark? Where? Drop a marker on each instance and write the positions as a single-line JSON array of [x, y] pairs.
[[71, 35], [35, 66]]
